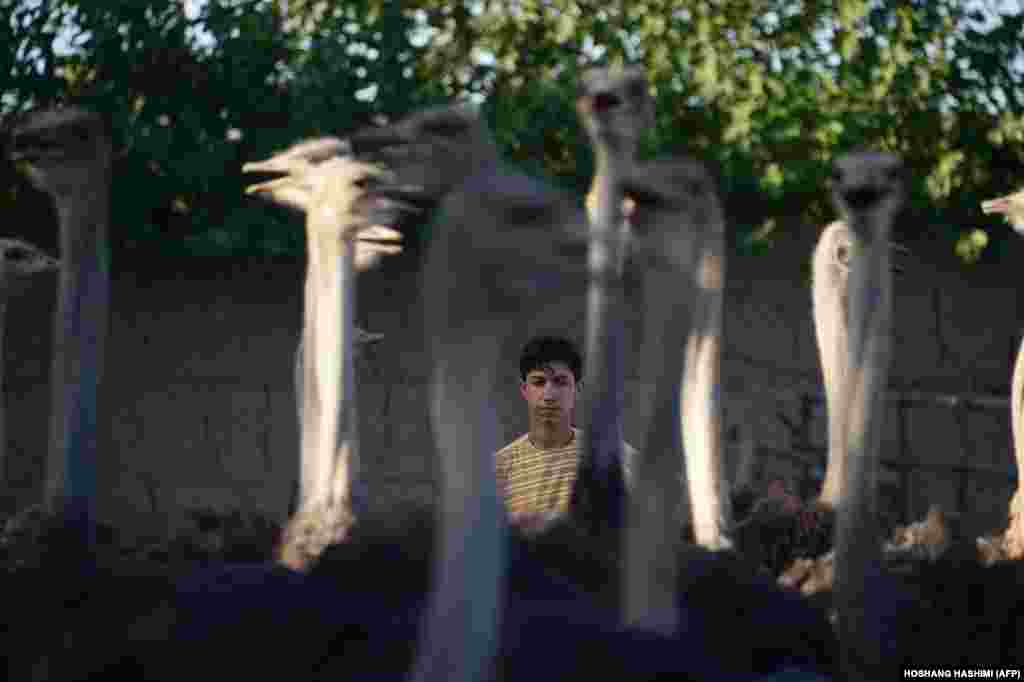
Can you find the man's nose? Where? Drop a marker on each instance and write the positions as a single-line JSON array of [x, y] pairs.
[[549, 392]]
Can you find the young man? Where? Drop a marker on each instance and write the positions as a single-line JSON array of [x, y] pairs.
[[536, 471]]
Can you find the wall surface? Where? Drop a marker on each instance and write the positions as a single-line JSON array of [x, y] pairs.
[[200, 409]]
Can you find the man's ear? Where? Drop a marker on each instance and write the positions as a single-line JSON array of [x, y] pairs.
[[522, 389]]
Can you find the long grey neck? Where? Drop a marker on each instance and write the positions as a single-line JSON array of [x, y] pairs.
[[599, 493], [700, 400], [651, 566], [81, 330], [464, 614], [857, 544]]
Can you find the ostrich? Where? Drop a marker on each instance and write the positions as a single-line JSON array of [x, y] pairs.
[[1012, 206], [68, 154], [676, 219], [868, 191], [342, 209], [615, 108], [19, 261], [502, 232]]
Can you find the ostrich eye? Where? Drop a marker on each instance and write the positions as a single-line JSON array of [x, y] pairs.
[[643, 196], [843, 254], [18, 255], [835, 175]]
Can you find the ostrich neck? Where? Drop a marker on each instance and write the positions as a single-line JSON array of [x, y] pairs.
[[649, 544], [599, 491], [700, 400], [328, 431], [81, 326], [461, 630], [857, 544], [831, 324]]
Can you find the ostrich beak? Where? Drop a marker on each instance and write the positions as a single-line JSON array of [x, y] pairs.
[[1000, 205], [276, 186], [286, 191], [379, 234], [275, 165], [300, 156], [1010, 207]]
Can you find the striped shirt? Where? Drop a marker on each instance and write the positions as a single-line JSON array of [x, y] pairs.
[[538, 480]]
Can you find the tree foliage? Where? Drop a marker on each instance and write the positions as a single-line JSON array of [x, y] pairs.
[[769, 91]]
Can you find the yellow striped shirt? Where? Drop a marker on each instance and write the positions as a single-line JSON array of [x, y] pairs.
[[536, 480]]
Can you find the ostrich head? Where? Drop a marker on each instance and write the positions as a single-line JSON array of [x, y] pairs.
[[62, 147], [435, 149], [363, 198], [615, 107], [670, 203], [297, 164], [1011, 206], [868, 189]]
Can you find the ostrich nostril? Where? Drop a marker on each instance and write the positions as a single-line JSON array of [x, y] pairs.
[[604, 101]]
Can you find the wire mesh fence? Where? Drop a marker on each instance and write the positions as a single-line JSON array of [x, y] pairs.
[[809, 456]]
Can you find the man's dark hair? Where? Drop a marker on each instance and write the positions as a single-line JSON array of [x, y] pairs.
[[541, 351]]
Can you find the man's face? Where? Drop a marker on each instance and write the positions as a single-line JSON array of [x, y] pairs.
[[550, 393]]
